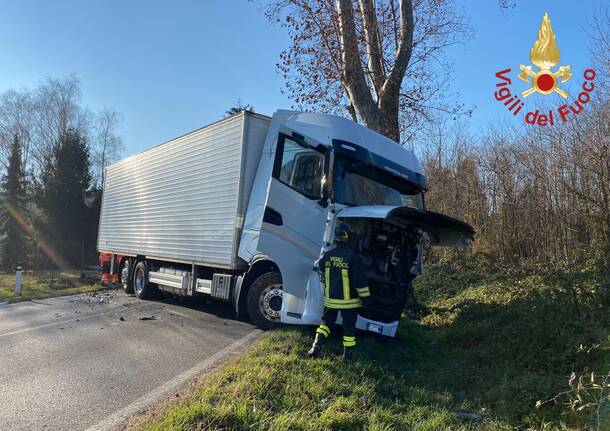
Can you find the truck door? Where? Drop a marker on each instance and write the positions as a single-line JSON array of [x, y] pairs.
[[295, 215]]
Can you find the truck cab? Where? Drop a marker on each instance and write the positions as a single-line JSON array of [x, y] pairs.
[[315, 171]]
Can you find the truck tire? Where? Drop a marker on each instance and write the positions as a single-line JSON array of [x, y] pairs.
[[124, 278], [141, 287], [265, 300]]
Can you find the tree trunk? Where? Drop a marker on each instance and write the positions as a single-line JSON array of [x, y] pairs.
[[390, 126], [380, 115]]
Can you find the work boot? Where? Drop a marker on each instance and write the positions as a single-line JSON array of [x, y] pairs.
[[348, 353], [316, 347]]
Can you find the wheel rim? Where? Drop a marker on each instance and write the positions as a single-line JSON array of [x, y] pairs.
[[139, 281], [270, 302], [125, 275]]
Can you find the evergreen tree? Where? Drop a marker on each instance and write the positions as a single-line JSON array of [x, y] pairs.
[[15, 246], [66, 179]]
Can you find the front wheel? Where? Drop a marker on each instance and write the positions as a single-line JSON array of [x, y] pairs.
[[265, 300]]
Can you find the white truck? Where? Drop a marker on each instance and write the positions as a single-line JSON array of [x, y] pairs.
[[241, 210]]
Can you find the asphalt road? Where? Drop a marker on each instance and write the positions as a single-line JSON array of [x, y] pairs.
[[88, 361]]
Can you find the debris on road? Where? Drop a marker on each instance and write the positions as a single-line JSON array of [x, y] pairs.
[[104, 299], [147, 318], [122, 319], [97, 298]]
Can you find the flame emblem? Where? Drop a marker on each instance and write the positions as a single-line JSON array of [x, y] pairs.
[[545, 55]]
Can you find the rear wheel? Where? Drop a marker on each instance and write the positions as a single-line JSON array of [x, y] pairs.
[[141, 287], [265, 300], [124, 274]]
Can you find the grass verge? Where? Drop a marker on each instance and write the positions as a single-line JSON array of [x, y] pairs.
[[493, 343], [45, 284]]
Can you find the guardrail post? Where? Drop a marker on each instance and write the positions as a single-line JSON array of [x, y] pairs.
[[18, 281]]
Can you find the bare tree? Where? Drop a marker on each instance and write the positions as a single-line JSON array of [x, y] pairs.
[[42, 115], [57, 110], [601, 48], [379, 60], [106, 146], [17, 118]]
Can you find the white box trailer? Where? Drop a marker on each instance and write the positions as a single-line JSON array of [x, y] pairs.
[[184, 201], [241, 210]]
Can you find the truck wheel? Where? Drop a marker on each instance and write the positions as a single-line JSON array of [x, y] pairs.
[[124, 276], [141, 287], [265, 300]]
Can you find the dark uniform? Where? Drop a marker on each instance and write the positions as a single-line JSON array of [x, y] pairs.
[[345, 287]]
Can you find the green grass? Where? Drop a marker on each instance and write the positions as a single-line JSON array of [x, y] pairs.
[[491, 344], [45, 284]]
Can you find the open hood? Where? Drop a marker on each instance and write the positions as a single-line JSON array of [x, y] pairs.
[[441, 229]]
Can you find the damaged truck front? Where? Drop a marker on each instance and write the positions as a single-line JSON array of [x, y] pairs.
[[322, 170], [241, 210]]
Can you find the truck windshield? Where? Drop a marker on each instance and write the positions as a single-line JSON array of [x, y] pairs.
[[356, 183]]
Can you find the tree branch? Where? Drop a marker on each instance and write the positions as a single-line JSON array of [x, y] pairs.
[[353, 74], [403, 55], [371, 32]]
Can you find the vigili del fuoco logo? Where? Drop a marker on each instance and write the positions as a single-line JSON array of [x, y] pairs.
[[544, 79]]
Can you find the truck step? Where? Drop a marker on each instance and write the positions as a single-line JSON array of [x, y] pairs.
[[173, 281]]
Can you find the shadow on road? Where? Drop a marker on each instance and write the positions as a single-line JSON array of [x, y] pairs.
[[219, 309]]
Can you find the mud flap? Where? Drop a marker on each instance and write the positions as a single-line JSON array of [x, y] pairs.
[[236, 293]]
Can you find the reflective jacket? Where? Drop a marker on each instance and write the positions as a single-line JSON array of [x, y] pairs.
[[344, 280]]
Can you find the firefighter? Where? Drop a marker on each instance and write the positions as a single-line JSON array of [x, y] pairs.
[[345, 289]]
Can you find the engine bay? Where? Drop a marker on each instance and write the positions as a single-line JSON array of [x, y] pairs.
[[391, 255]]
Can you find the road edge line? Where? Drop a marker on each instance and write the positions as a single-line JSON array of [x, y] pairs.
[[121, 416]]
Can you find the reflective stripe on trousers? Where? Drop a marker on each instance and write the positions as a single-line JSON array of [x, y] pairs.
[[324, 330], [349, 341]]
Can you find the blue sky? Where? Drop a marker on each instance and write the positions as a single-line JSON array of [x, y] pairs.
[[170, 67]]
